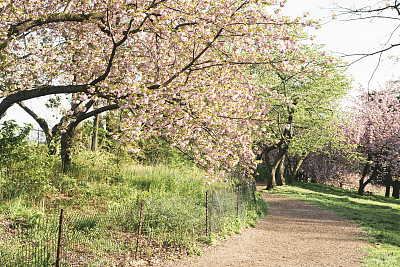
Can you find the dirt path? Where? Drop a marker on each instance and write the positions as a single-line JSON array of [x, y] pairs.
[[293, 234]]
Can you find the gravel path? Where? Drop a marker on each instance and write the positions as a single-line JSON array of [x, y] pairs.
[[293, 234]]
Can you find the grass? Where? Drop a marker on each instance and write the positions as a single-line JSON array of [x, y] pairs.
[[101, 199], [378, 215]]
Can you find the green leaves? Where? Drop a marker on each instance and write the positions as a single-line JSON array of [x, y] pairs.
[[12, 139]]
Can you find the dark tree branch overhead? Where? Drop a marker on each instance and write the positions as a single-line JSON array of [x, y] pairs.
[[86, 115], [19, 96], [24, 26]]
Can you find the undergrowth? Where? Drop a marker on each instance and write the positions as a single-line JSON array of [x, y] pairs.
[[97, 183]]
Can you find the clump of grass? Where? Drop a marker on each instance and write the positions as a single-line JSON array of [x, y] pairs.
[[376, 214]]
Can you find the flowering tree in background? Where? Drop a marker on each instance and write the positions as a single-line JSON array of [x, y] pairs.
[[376, 131], [372, 142], [177, 69]]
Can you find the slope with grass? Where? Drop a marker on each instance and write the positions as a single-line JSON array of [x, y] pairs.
[[378, 215], [99, 193]]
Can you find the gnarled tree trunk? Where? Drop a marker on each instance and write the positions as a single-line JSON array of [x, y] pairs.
[[66, 145], [292, 175], [280, 174], [362, 184]]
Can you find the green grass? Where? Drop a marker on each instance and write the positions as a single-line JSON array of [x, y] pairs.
[[378, 215], [100, 197]]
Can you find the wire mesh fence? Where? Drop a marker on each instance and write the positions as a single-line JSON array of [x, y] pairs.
[[143, 232], [35, 135]]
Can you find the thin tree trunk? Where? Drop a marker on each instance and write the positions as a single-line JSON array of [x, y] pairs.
[[364, 174], [396, 189], [388, 183], [95, 132], [66, 144]]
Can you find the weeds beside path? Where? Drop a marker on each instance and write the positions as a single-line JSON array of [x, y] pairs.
[[293, 234]]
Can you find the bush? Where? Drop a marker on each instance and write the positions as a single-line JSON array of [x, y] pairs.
[[12, 141]]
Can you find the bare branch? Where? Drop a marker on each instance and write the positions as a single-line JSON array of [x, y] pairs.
[[68, 7], [42, 123]]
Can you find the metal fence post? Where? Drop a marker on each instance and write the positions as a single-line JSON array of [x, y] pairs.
[[207, 212], [254, 188], [140, 228], [60, 232], [237, 201]]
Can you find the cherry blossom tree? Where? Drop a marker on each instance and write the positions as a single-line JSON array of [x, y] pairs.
[[177, 69], [376, 131], [372, 139]]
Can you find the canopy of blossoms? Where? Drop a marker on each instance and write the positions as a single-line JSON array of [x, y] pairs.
[[178, 68]]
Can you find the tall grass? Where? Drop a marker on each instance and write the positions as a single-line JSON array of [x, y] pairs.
[[378, 215], [97, 184]]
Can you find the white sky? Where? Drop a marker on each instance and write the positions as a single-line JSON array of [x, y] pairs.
[[339, 36], [356, 36]]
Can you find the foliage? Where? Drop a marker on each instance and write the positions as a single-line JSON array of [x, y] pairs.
[[376, 214], [317, 101], [12, 141], [376, 126], [306, 125]]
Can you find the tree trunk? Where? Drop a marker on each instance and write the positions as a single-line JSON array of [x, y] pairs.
[[388, 183], [396, 189], [292, 176], [387, 190], [272, 178], [95, 132], [360, 187], [269, 173], [280, 178], [66, 145], [272, 168], [362, 184]]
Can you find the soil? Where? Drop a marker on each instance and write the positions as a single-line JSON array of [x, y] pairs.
[[293, 234]]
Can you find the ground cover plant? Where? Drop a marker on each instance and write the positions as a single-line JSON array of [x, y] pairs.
[[102, 198], [378, 215]]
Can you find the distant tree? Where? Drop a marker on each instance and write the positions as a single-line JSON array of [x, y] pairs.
[[375, 129], [303, 127]]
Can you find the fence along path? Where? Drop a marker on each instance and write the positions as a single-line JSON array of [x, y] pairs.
[[145, 232], [293, 234]]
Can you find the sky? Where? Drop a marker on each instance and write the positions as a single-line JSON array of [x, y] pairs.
[[345, 36], [340, 36]]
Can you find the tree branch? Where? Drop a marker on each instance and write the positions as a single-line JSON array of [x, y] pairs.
[[42, 123], [19, 96]]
